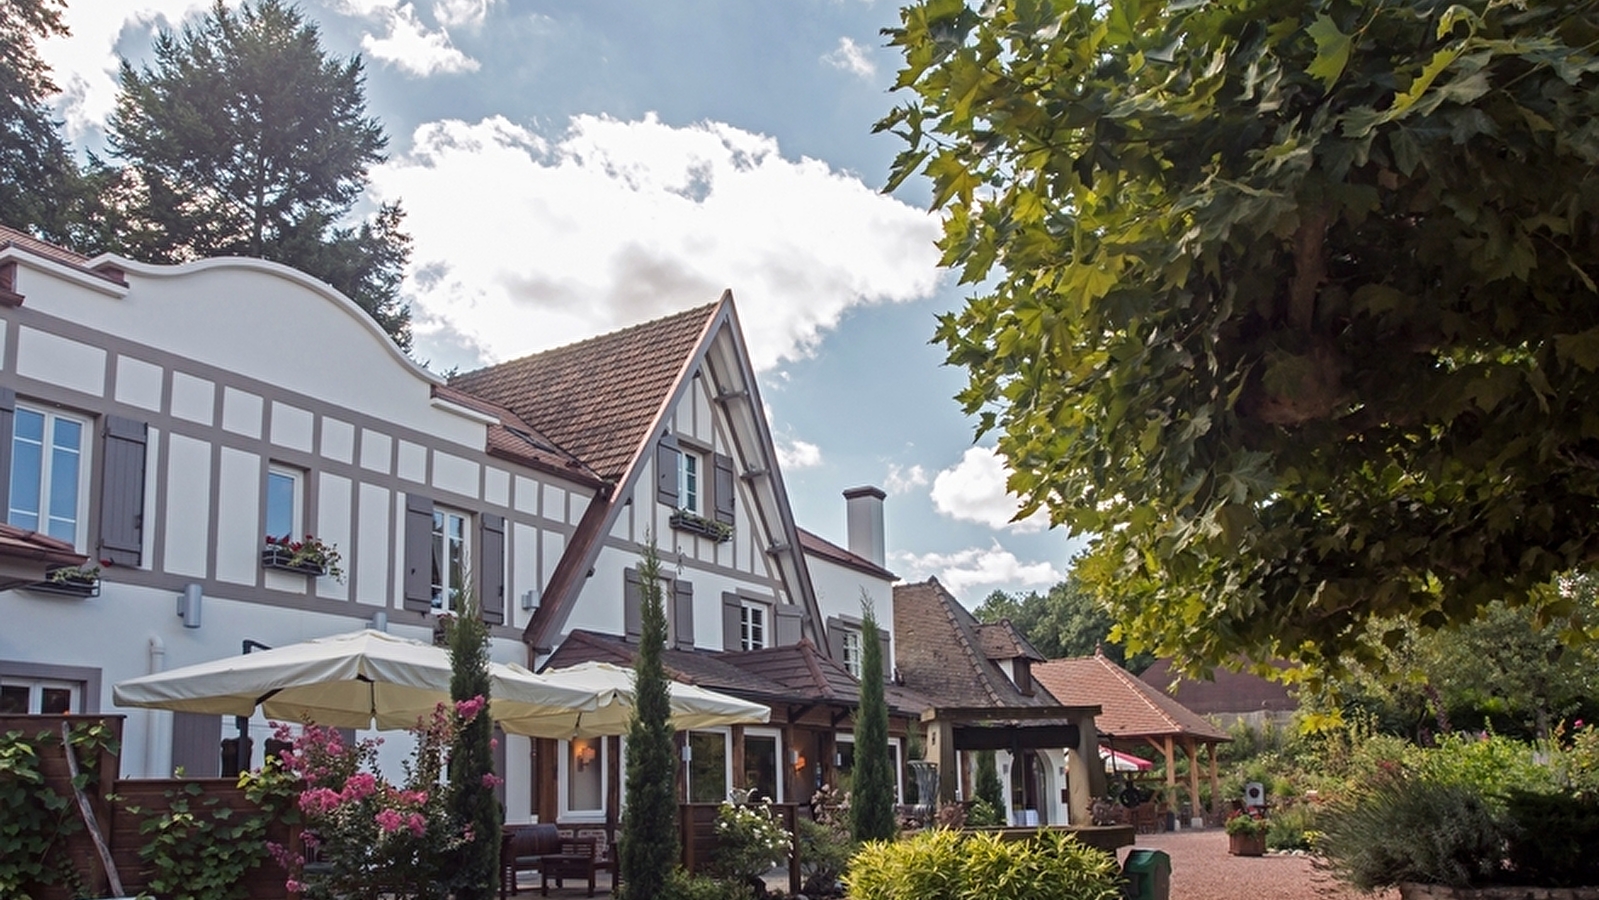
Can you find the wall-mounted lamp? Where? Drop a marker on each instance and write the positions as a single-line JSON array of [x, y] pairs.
[[530, 599], [688, 753], [838, 760], [189, 606], [584, 753], [797, 759], [380, 620]]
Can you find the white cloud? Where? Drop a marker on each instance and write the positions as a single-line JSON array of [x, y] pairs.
[[84, 62], [973, 490], [852, 58], [793, 453], [901, 480], [461, 13], [529, 242], [410, 46], [971, 573]]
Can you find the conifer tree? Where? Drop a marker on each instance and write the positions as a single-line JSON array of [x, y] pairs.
[[648, 850], [871, 805], [475, 869], [38, 176], [987, 777]]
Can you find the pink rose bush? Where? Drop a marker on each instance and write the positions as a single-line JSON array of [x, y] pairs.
[[365, 836]]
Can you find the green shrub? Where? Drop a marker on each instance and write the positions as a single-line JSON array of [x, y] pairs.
[[1487, 765], [749, 841], [1291, 827], [941, 863], [825, 850], [982, 814], [1552, 839], [1408, 829], [680, 885]]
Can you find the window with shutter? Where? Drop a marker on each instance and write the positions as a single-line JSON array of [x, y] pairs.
[[682, 618], [666, 474], [122, 492], [418, 553], [490, 567], [722, 493], [632, 605], [48, 475]]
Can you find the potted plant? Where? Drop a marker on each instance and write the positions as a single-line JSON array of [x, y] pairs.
[[308, 556], [694, 523], [71, 581], [1246, 833]]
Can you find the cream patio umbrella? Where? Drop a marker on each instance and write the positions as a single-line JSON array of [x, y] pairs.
[[364, 679], [692, 706]]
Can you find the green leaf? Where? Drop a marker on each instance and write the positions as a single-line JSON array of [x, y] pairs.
[[1581, 348], [1332, 51]]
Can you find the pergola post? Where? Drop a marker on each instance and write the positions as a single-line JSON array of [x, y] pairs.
[[1171, 773], [1215, 785], [1191, 749]]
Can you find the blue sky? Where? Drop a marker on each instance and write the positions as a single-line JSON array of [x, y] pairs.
[[569, 168]]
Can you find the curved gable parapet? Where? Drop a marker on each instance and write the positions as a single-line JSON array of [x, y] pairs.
[[277, 270]]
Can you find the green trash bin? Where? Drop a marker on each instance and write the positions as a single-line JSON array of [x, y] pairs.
[[1148, 875]]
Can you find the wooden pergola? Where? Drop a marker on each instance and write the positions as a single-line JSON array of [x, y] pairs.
[[1133, 713]]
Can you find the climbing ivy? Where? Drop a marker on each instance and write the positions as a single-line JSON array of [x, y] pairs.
[[38, 819]]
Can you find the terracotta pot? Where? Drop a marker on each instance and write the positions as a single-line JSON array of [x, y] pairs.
[[1246, 844]]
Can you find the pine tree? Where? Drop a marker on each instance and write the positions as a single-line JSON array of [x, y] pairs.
[[871, 805], [474, 872], [38, 177], [648, 849], [247, 139], [987, 777]]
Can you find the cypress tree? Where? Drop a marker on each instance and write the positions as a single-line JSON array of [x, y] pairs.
[[648, 843], [871, 805], [988, 787], [475, 870]]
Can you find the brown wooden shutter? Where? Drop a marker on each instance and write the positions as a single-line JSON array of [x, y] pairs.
[[683, 613], [197, 744], [491, 567], [888, 660], [122, 492], [787, 632], [723, 493], [8, 416], [418, 552], [731, 608], [632, 605], [666, 471]]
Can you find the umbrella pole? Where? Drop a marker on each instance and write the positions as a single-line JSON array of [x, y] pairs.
[[241, 753]]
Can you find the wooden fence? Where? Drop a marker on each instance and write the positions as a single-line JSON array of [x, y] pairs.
[[697, 833]]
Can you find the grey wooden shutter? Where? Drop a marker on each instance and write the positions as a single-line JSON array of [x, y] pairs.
[[888, 659], [683, 613], [788, 626], [723, 492], [835, 638], [8, 416], [418, 552], [666, 471], [731, 609], [122, 492], [632, 605], [491, 567], [197, 744]]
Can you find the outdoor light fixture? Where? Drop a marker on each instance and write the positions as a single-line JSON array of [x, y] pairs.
[[530, 599], [584, 754], [189, 606], [380, 620], [688, 753]]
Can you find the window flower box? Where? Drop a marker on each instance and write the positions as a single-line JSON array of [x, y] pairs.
[[694, 523], [308, 556], [70, 581]]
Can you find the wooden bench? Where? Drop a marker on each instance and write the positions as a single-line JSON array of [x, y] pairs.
[[527, 847]]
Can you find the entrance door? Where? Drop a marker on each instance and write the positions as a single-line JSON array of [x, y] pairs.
[[761, 755]]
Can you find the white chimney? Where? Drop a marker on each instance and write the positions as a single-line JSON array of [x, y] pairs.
[[864, 506]]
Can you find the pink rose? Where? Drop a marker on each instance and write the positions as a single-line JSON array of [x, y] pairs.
[[468, 709], [360, 786], [390, 821], [419, 825], [491, 781]]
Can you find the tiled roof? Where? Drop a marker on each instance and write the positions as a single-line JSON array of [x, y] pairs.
[[1130, 707], [11, 237], [1001, 640], [30, 548], [516, 440], [939, 656], [817, 546], [596, 399], [795, 673], [1228, 692]]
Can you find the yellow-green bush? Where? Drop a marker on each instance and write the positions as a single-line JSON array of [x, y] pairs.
[[949, 864]]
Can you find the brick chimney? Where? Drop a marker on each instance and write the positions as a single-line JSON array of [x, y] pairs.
[[864, 506]]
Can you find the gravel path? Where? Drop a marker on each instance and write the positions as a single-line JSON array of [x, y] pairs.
[[1203, 870]]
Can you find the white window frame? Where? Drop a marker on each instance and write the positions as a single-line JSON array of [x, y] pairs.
[[691, 481], [37, 686], [896, 754], [440, 542], [850, 641], [747, 625], [783, 765], [727, 759], [564, 784], [47, 475], [296, 479]]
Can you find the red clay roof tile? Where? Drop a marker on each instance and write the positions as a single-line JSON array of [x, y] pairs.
[[1130, 708]]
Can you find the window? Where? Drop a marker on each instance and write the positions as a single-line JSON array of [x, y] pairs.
[[752, 626], [49, 491], [708, 766], [449, 558], [850, 643], [585, 775], [761, 764], [688, 481], [283, 506], [33, 696]]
